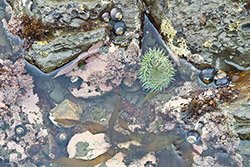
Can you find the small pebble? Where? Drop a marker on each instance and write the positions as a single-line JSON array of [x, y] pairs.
[[62, 138], [74, 79]]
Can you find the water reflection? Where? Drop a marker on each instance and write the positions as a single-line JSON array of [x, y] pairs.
[[149, 142]]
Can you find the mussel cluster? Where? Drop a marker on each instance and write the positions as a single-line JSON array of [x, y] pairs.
[[114, 17], [218, 78]]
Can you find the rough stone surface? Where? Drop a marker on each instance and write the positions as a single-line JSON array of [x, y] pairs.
[[112, 68], [69, 13], [131, 11], [50, 55], [240, 109], [19, 106], [218, 29]]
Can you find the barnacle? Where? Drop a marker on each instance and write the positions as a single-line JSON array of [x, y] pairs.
[[156, 70], [168, 30]]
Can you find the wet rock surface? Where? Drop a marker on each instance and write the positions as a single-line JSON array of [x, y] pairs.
[[98, 111], [209, 29], [69, 13], [21, 128], [131, 11], [50, 55], [113, 67]]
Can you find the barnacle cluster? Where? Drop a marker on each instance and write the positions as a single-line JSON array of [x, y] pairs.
[[168, 30], [156, 70]]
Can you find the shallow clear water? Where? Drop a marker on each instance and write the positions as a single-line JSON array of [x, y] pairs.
[[128, 126]]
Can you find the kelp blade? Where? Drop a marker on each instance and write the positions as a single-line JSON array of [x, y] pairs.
[[73, 162]]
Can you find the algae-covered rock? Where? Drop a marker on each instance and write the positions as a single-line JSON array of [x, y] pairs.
[[218, 29], [64, 13], [50, 55], [131, 11]]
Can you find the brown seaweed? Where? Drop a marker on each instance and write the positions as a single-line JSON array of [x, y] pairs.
[[149, 141], [92, 127], [113, 119], [72, 162], [169, 158]]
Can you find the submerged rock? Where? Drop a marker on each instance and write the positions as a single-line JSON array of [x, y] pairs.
[[113, 66], [48, 55], [87, 146], [67, 110]]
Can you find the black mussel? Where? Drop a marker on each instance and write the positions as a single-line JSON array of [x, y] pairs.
[[207, 75], [62, 138], [20, 130], [105, 17], [116, 14], [193, 136], [119, 28]]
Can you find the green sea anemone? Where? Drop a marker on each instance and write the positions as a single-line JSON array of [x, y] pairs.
[[156, 70]]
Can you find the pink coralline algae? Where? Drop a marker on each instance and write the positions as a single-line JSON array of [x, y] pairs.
[[18, 107], [215, 126], [103, 72]]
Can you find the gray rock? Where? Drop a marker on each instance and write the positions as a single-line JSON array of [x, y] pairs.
[[131, 11], [240, 109], [244, 148], [66, 13], [50, 55], [241, 112], [224, 26]]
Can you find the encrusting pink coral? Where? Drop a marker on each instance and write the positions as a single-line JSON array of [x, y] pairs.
[[102, 72], [18, 106]]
